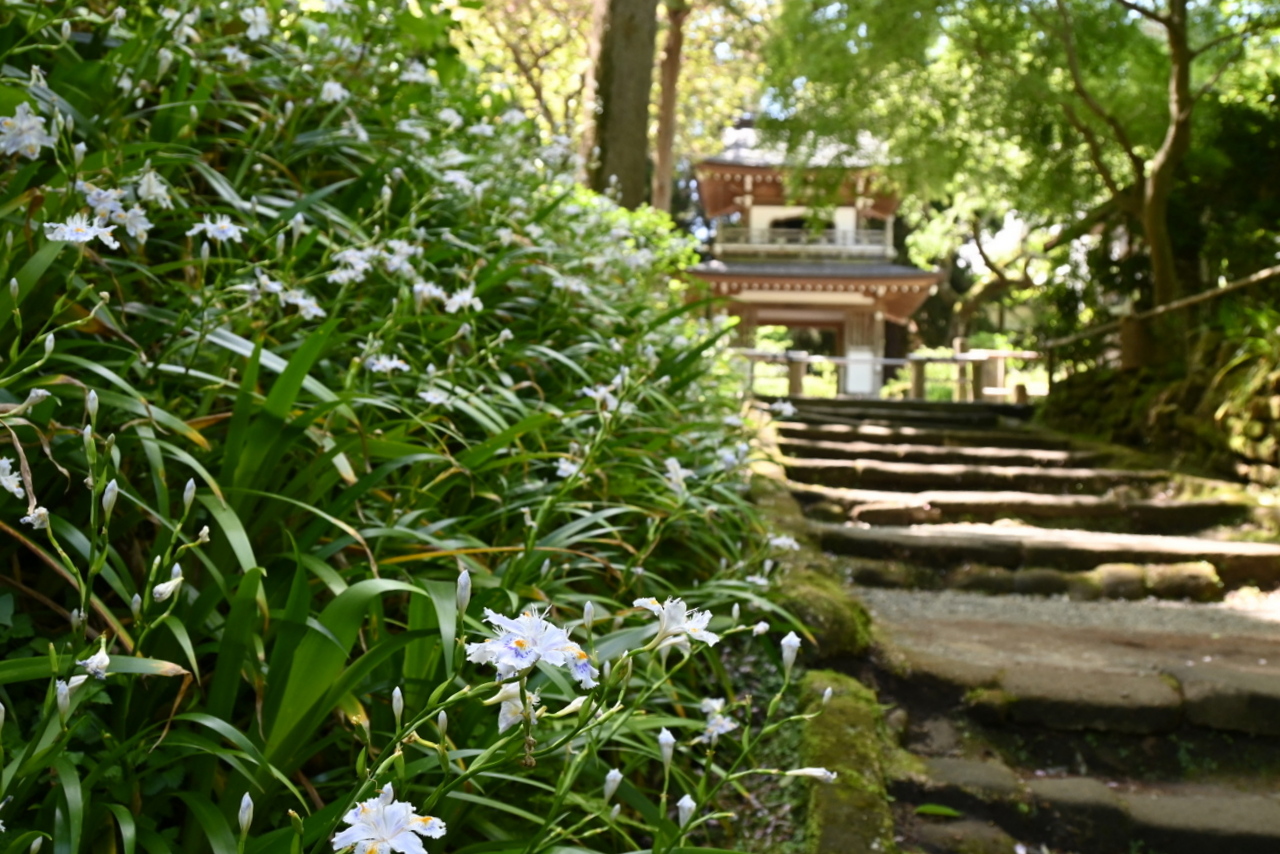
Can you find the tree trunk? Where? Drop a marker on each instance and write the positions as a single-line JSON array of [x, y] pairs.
[[622, 48], [1164, 164], [669, 78]]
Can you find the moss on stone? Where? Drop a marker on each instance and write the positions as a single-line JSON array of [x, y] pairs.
[[769, 493], [840, 624], [851, 738], [811, 584], [990, 702]]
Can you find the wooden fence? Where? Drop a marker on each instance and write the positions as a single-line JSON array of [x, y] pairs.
[[979, 374], [1126, 342]]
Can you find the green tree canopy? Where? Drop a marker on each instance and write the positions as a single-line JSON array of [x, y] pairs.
[[1068, 112]]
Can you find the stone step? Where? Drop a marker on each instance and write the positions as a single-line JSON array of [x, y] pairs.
[[1191, 581], [972, 420], [929, 453], [921, 435], [918, 477], [1141, 668], [892, 407], [1238, 564], [1088, 814], [1088, 512]]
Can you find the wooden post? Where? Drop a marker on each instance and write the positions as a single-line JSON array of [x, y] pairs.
[[795, 372], [962, 387], [917, 379], [1049, 366], [877, 353], [978, 379], [1001, 374], [1020, 394], [1137, 347], [751, 377]]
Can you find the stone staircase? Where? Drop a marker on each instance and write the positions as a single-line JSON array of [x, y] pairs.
[[1050, 636]]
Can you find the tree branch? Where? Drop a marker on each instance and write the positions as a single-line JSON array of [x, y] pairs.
[[1078, 228], [1222, 39], [531, 78], [976, 228], [1077, 80], [1095, 151], [1217, 75], [1253, 27], [1149, 14]]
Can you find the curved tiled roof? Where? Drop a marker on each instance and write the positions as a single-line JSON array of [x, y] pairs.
[[810, 269]]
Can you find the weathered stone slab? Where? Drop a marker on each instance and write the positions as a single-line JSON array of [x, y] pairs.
[[919, 477], [966, 836], [945, 670], [1088, 512], [926, 453], [1085, 809], [886, 412], [1237, 563], [1074, 700], [1187, 824], [894, 407], [1231, 698], [984, 778], [904, 434]]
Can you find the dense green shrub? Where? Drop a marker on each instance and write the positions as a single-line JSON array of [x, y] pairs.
[[312, 355]]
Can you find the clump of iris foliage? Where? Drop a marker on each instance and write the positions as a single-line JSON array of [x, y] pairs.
[[366, 484]]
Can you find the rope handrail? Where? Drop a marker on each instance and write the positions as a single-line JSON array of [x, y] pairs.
[[1194, 299]]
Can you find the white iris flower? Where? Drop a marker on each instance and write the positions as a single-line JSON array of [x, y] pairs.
[[676, 623], [78, 229], [11, 481], [383, 824], [524, 641], [220, 228]]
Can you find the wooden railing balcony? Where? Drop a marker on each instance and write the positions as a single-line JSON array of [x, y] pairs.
[[832, 242]]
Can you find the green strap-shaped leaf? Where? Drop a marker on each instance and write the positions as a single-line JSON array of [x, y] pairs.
[[477, 455], [144, 666], [238, 429], [215, 826], [22, 844], [284, 391], [444, 596], [149, 411], [72, 794], [247, 747], [128, 828], [229, 526], [28, 275], [236, 636], [319, 661], [179, 631]]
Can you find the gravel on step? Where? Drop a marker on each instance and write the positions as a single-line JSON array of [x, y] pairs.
[[1239, 615]]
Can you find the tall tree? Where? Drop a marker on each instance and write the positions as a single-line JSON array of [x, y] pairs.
[[1068, 111], [622, 47], [669, 83], [539, 49]]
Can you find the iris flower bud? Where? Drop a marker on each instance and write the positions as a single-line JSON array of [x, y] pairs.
[[611, 782], [246, 814], [109, 496]]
